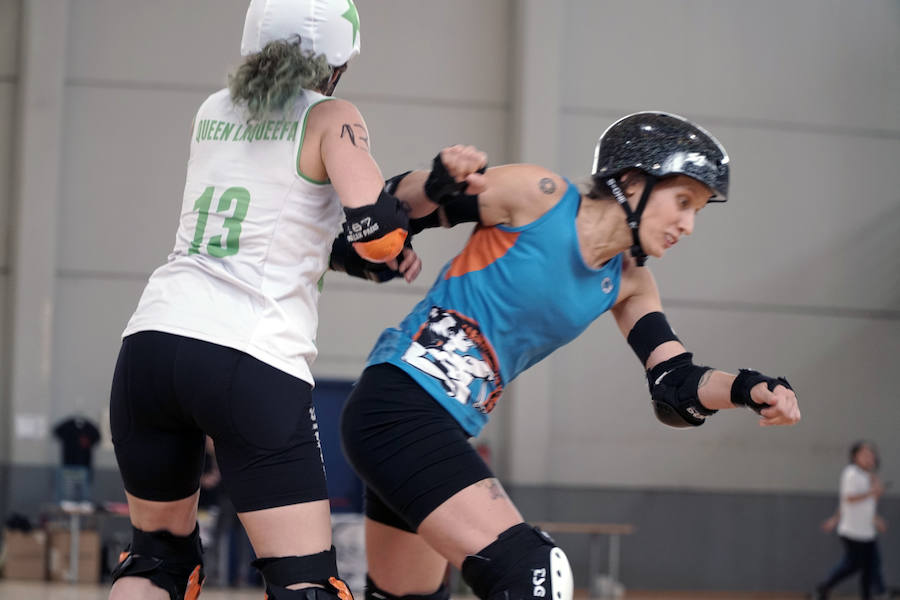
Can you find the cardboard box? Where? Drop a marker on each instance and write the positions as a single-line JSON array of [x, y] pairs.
[[60, 552], [26, 555]]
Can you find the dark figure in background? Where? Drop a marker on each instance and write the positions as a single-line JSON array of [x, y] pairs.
[[78, 436]]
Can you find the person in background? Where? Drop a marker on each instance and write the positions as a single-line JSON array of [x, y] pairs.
[[857, 523], [77, 436]]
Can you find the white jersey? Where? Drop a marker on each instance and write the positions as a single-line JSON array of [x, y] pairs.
[[253, 241], [857, 520]]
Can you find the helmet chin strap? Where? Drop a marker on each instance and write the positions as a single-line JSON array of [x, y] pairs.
[[633, 216], [333, 80]]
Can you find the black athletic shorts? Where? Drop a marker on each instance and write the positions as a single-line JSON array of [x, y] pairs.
[[410, 452], [168, 391]]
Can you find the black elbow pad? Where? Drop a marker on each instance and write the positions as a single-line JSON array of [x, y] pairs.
[[673, 392], [377, 231]]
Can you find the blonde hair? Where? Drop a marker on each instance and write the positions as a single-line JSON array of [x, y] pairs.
[[271, 79]]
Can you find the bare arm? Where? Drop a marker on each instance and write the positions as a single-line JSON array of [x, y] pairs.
[[640, 296], [411, 191], [859, 497], [509, 194], [829, 524], [875, 491], [344, 156], [714, 389]]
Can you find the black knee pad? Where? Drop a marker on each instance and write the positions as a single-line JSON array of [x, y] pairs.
[[319, 569], [373, 592], [170, 562], [523, 563]]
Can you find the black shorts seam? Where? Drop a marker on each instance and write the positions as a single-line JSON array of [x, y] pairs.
[[292, 498]]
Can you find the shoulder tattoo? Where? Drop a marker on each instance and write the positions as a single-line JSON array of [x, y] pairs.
[[356, 134], [547, 185]]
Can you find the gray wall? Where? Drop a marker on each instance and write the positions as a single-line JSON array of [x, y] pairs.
[[693, 540], [799, 274], [9, 17]]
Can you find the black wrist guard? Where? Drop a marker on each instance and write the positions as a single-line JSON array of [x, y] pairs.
[[744, 382], [432, 219], [441, 187], [673, 392], [344, 259], [463, 209], [374, 221]]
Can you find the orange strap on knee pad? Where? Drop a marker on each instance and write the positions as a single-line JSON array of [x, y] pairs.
[[172, 563], [318, 569]]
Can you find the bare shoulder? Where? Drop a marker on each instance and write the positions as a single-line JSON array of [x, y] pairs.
[[339, 117], [336, 108], [519, 194], [332, 128]]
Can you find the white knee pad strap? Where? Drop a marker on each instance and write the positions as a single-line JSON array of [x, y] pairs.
[[561, 580]]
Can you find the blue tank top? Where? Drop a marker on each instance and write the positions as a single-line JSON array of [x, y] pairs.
[[510, 298]]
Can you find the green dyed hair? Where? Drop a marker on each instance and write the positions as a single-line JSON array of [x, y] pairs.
[[272, 78]]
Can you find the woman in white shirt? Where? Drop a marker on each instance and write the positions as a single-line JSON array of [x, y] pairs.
[[860, 490]]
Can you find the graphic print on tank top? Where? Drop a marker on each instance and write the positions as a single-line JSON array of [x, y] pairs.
[[451, 348], [511, 297]]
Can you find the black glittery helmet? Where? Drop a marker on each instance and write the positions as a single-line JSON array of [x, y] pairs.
[[659, 144], [662, 144]]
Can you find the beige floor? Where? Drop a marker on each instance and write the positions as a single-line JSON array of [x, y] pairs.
[[13, 590], [20, 590]]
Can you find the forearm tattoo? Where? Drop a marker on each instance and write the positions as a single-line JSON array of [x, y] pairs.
[[547, 185], [494, 487], [357, 135]]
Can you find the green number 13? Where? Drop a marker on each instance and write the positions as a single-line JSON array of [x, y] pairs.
[[241, 198]]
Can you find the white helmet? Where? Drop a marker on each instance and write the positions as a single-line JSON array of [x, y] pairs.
[[329, 27]]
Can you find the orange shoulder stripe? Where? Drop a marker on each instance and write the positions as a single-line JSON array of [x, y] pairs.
[[486, 245]]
